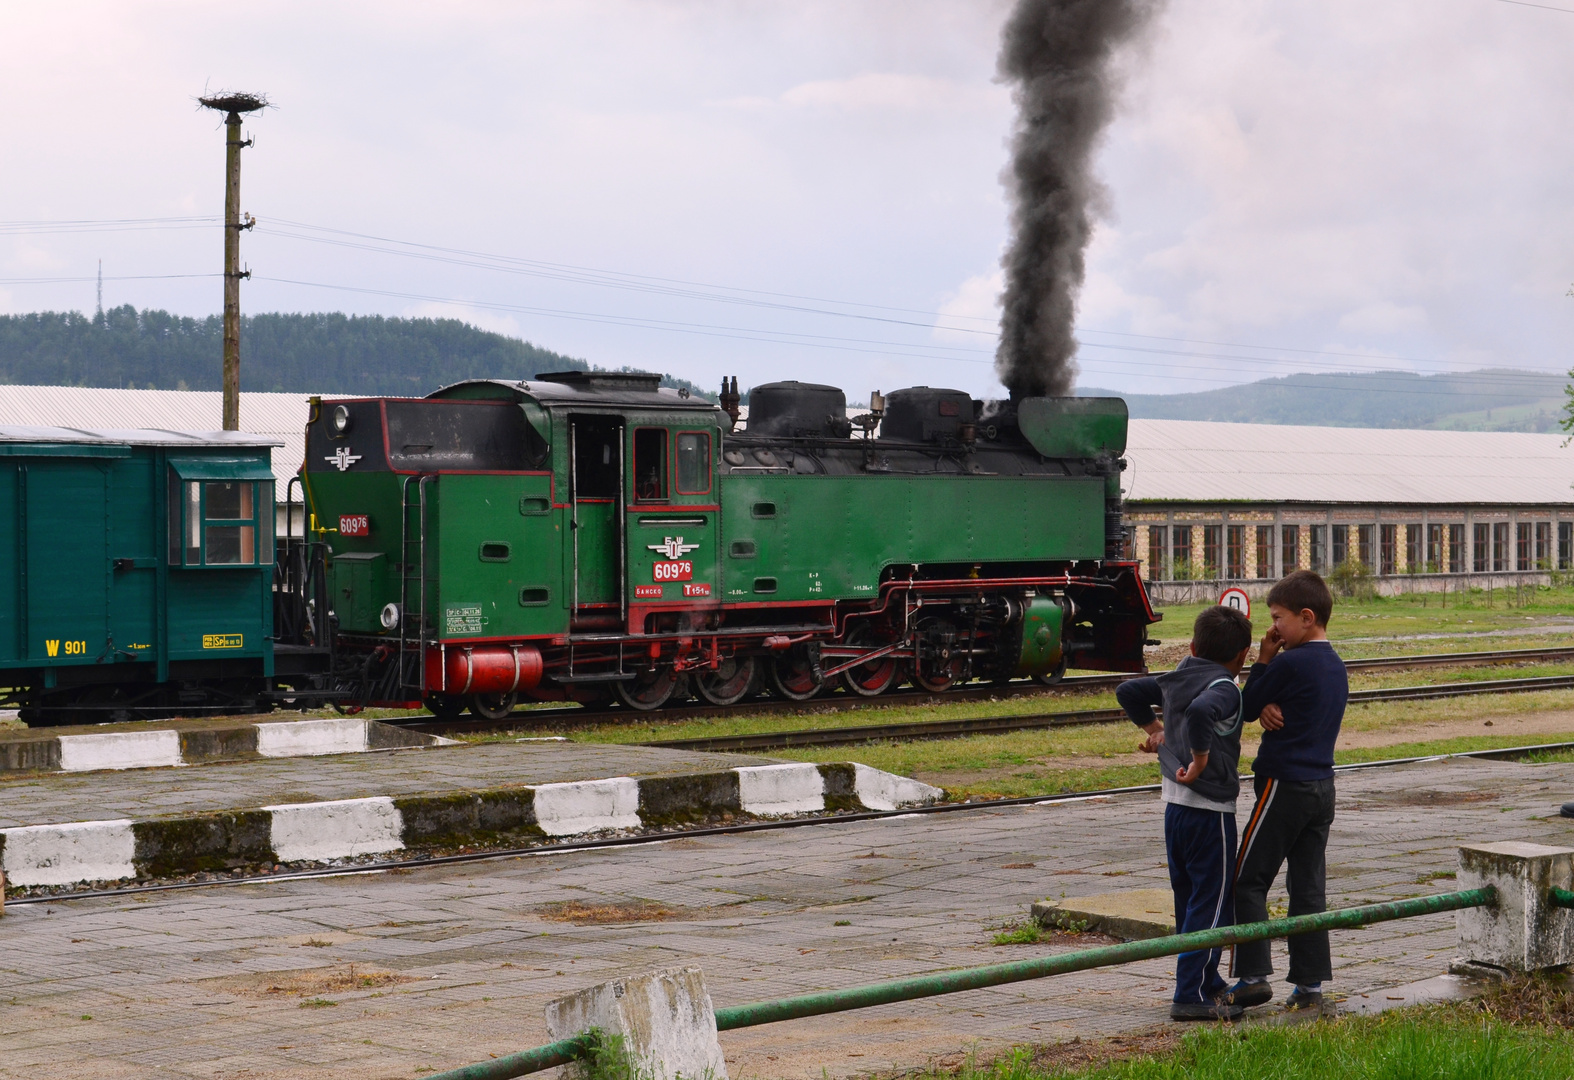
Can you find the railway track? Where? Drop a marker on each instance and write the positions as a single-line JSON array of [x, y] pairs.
[[994, 725], [579, 716], [1502, 753]]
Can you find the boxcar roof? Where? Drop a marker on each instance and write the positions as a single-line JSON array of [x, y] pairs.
[[227, 440]]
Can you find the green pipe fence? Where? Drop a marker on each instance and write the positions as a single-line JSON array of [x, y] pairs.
[[952, 982], [1561, 898]]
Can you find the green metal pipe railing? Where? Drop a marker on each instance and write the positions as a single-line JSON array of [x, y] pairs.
[[1561, 898], [952, 982]]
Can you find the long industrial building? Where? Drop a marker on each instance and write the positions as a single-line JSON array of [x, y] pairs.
[[1207, 504], [1245, 503]]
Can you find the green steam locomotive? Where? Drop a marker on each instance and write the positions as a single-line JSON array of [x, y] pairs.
[[594, 536]]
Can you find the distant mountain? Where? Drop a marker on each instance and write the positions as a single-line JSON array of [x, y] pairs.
[[324, 352], [1486, 400]]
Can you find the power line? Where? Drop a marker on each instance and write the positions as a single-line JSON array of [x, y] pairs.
[[1543, 7]]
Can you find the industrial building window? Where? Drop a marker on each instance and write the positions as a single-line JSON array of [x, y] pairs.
[[650, 464], [1456, 549], [1522, 554], [1158, 552], [1211, 539], [1388, 549], [1565, 544], [1341, 545], [1363, 544], [1235, 552], [1289, 548], [1543, 545], [1182, 568], [1319, 542], [693, 462], [221, 523], [1265, 551], [1482, 560], [1434, 548], [1500, 553], [1412, 549]]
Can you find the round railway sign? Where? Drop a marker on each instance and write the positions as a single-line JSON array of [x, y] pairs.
[[1237, 599]]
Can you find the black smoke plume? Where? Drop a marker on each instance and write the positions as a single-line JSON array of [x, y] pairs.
[[1057, 55]]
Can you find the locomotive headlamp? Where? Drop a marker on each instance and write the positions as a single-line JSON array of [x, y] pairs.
[[390, 616], [341, 419]]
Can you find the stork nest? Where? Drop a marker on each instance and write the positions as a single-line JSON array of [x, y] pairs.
[[231, 101]]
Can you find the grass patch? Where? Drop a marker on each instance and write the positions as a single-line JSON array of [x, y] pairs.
[[317, 1003], [1023, 933], [572, 911]]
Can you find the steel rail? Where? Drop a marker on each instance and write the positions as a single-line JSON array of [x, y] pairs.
[[578, 715], [993, 725], [571, 846], [978, 978]]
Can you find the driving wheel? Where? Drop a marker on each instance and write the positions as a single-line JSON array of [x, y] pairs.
[[729, 683]]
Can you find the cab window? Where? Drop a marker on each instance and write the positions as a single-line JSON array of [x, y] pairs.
[[693, 462], [650, 464]]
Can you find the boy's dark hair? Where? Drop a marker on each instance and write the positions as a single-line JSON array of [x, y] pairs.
[[1220, 633], [1304, 589]]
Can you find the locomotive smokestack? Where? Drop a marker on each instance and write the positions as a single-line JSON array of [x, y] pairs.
[[1056, 54]]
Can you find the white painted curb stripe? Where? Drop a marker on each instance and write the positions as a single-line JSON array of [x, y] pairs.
[[308, 738], [65, 854], [781, 789], [588, 806], [333, 830], [119, 750], [880, 790]]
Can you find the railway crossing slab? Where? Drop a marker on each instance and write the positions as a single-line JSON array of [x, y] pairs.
[[395, 974]]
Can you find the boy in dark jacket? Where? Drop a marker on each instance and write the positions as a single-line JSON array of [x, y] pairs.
[[1298, 688], [1199, 748]]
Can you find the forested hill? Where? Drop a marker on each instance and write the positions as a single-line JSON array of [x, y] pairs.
[[326, 353], [1496, 399]]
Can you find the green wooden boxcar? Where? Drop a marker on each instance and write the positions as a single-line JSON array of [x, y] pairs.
[[591, 534], [139, 572]]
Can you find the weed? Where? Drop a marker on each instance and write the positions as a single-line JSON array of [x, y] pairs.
[[317, 1003], [1026, 933], [1436, 875], [842, 922]]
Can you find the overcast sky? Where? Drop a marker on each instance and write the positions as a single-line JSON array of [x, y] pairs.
[[811, 190]]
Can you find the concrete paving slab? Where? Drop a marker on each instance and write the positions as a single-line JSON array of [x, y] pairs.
[[1131, 915]]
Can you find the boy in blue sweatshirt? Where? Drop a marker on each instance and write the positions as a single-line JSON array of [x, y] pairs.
[[1199, 748], [1298, 689]]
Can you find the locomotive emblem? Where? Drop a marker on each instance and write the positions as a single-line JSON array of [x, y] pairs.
[[673, 547], [342, 459]]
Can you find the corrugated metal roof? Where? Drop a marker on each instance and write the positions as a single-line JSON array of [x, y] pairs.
[[12, 433], [280, 417], [1196, 461]]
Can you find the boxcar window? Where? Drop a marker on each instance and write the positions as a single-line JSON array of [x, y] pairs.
[[463, 435], [693, 462], [650, 463], [222, 523]]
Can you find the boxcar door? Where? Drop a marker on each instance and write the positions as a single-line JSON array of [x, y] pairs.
[[595, 485], [673, 537], [68, 560]]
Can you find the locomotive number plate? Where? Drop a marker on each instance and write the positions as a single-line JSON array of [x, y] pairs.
[[673, 570], [354, 525], [696, 588]]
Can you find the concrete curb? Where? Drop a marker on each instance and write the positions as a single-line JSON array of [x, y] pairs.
[[88, 851], [165, 747]]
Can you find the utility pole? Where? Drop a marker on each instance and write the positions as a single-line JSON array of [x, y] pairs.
[[233, 105], [101, 290]]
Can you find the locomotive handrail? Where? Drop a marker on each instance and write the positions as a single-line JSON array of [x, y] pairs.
[[978, 978]]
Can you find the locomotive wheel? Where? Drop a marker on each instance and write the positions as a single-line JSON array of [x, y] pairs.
[[793, 675], [937, 667], [877, 676], [729, 683], [493, 706], [650, 689], [1050, 678], [443, 706]]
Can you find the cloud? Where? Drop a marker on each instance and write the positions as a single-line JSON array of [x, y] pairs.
[[973, 306]]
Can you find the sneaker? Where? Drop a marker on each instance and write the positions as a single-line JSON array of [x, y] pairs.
[[1303, 999], [1219, 1008], [1246, 994]]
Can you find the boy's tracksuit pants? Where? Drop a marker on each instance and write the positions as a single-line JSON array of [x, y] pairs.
[[1200, 845], [1289, 824]]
